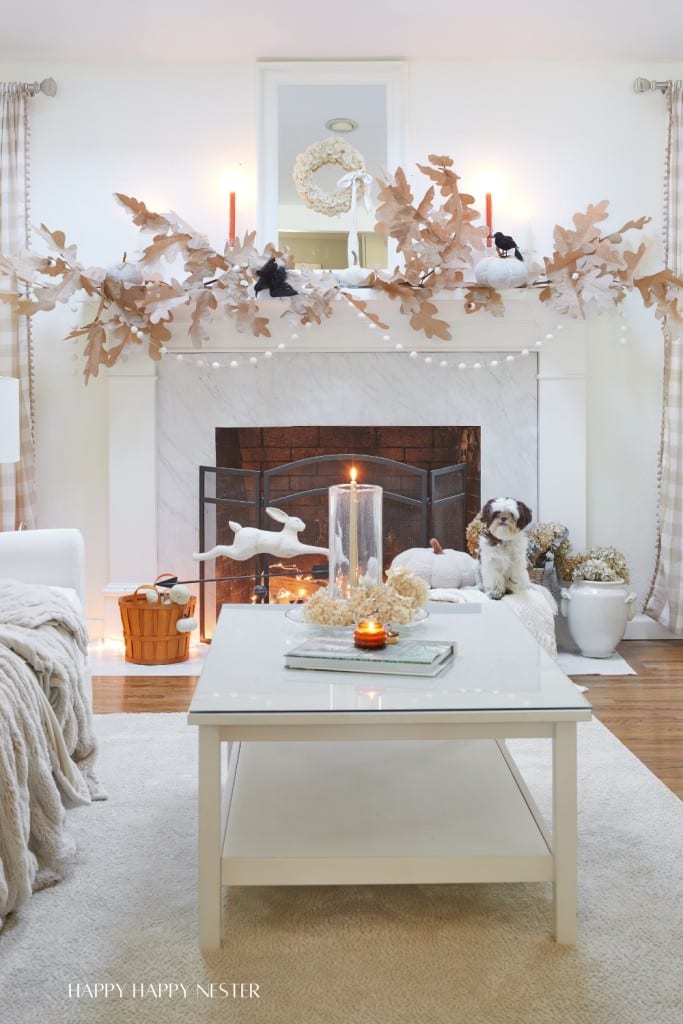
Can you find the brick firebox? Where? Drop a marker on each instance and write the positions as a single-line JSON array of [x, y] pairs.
[[262, 448]]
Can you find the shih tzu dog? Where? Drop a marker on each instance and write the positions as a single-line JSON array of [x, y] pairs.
[[502, 547]]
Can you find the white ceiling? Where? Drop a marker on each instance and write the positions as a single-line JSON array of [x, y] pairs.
[[154, 30]]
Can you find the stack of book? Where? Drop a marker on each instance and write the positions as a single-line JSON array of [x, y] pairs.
[[339, 654]]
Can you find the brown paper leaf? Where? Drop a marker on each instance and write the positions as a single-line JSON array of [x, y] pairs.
[[664, 291], [483, 297], [248, 320], [168, 246], [202, 313], [56, 241], [423, 319], [144, 218], [636, 225], [95, 352], [362, 306]]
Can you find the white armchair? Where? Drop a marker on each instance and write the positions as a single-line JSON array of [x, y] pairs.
[[53, 557], [45, 706]]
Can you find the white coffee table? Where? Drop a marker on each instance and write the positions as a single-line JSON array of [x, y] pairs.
[[311, 792]]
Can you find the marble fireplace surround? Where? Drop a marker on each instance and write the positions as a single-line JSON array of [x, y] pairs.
[[532, 414]]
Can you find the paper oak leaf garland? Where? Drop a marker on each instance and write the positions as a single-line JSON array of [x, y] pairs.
[[437, 237]]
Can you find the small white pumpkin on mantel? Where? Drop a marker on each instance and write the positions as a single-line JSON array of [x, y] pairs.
[[353, 277], [439, 567], [501, 272]]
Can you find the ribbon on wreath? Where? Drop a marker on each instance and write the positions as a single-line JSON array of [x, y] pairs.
[[356, 179]]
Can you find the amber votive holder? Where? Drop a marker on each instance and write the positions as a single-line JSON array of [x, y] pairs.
[[370, 636]]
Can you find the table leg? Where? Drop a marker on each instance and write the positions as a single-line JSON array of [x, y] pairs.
[[564, 832], [209, 794]]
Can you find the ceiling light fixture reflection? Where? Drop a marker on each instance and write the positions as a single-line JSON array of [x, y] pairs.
[[341, 124]]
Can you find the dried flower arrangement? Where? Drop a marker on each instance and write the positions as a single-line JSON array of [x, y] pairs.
[[436, 236], [599, 564], [396, 602], [472, 532], [543, 540]]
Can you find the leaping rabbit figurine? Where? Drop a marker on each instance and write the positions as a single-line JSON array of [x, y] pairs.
[[250, 541]]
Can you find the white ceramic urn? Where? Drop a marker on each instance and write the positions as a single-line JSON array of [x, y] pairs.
[[597, 614]]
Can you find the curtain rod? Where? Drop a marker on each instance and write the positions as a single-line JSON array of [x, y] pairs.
[[48, 86], [645, 85]]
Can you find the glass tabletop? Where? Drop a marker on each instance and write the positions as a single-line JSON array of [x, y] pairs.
[[498, 666]]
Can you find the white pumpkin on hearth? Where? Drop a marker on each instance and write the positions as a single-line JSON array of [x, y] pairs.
[[439, 567], [501, 272]]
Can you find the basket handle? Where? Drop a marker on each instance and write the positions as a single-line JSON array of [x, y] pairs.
[[147, 586], [161, 576]]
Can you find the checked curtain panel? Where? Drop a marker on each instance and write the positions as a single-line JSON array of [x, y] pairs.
[[17, 482], [665, 600]]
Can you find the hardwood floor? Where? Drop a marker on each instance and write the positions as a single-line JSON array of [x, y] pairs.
[[645, 711]]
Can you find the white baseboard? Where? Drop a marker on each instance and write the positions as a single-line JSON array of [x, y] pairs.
[[642, 627], [112, 627]]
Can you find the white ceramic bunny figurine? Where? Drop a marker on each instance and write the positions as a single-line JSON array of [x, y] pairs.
[[250, 541]]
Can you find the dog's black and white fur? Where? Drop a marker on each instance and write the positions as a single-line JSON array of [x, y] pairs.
[[502, 547]]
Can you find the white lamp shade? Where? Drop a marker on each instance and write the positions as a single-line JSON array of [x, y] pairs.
[[9, 420]]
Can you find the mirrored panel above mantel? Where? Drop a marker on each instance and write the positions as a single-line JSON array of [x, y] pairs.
[[298, 102]]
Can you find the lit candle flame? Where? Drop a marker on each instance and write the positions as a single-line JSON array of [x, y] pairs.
[[354, 472], [370, 627]]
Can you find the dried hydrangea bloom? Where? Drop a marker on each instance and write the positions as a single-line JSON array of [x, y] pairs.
[[395, 602]]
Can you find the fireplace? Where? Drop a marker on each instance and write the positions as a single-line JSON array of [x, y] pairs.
[[364, 404], [429, 475], [531, 412]]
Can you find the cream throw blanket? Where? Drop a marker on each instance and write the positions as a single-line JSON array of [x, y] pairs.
[[47, 746], [535, 607]]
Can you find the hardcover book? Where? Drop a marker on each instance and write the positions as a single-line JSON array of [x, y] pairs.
[[339, 654]]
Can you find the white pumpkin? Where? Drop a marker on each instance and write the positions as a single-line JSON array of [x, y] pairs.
[[353, 277], [447, 569], [498, 272]]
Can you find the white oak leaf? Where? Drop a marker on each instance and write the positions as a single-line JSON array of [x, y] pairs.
[[597, 291], [162, 299], [242, 251]]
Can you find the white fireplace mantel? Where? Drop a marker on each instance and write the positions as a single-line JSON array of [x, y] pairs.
[[133, 395]]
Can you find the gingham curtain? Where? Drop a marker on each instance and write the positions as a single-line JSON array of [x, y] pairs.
[[665, 600], [17, 482]]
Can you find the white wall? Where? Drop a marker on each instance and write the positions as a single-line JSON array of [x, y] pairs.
[[557, 136]]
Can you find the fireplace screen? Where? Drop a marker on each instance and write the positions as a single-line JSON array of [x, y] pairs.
[[417, 504]]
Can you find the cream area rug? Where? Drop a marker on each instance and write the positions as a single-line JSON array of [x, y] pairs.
[[117, 940], [573, 664]]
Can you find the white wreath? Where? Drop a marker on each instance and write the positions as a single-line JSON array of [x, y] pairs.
[[328, 151]]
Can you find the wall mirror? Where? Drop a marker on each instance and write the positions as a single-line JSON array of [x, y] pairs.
[[306, 103]]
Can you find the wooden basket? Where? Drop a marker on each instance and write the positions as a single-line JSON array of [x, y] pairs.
[[536, 574], [149, 630]]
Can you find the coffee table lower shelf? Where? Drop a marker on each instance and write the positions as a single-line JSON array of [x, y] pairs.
[[372, 812]]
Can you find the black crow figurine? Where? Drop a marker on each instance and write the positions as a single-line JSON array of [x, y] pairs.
[[273, 276], [504, 243]]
